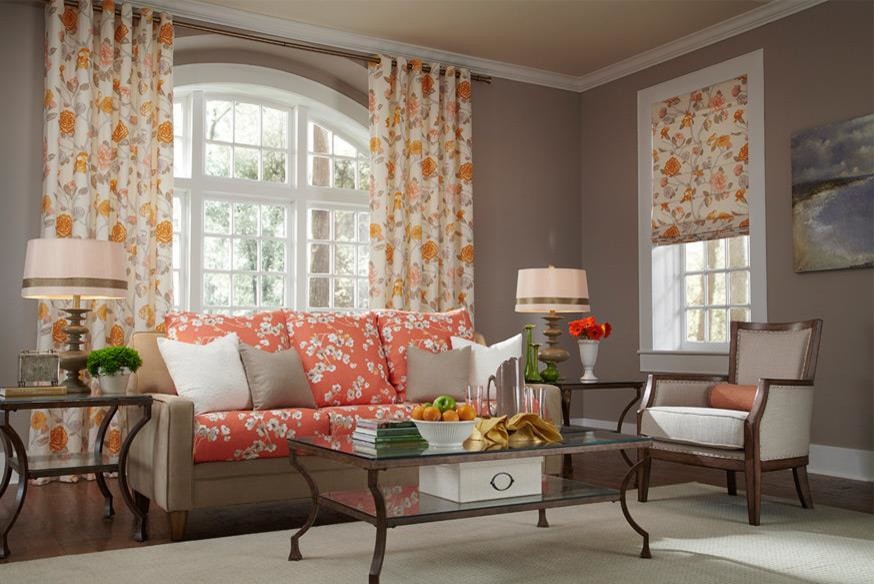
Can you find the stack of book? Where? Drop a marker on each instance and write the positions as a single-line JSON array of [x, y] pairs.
[[387, 437], [32, 391]]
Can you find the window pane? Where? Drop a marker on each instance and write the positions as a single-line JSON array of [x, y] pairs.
[[694, 290], [717, 326], [364, 227], [246, 163], [216, 253], [217, 217], [363, 257], [180, 162], [715, 253], [320, 258], [344, 174], [739, 289], [320, 224], [716, 289], [320, 140], [363, 175], [219, 121], [694, 256], [273, 221], [218, 160], [246, 254], [695, 325], [177, 252], [274, 166], [741, 314], [344, 293], [344, 225], [178, 119], [344, 259], [272, 290], [320, 171], [344, 148], [362, 299], [319, 293], [245, 289], [216, 289], [275, 128], [737, 252], [245, 219], [177, 288], [247, 124], [273, 256]]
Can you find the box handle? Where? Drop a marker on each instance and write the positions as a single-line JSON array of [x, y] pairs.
[[495, 480]]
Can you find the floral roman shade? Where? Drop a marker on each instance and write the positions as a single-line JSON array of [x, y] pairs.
[[421, 194], [699, 161], [108, 175]]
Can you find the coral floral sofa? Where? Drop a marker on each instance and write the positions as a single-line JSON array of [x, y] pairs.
[[356, 368]]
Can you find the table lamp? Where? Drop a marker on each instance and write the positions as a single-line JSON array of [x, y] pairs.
[[551, 291], [77, 269]]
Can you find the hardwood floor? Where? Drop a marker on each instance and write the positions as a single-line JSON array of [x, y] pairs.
[[60, 519]]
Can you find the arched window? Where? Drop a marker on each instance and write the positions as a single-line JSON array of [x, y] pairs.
[[271, 177]]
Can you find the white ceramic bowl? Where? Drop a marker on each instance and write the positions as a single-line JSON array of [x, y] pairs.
[[445, 434]]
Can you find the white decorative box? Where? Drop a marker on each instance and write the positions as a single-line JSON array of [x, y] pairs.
[[465, 482]]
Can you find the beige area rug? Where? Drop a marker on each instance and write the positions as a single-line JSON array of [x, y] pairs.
[[699, 536]]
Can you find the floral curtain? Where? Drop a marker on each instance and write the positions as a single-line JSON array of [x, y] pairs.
[[700, 157], [421, 191], [108, 174]]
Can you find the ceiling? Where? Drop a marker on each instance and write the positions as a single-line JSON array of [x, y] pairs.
[[571, 37]]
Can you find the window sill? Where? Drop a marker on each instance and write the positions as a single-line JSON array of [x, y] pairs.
[[711, 362]]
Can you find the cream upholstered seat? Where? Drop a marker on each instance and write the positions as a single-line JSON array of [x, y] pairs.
[[780, 360]]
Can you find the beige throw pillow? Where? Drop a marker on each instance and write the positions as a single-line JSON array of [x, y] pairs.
[[432, 374], [276, 380]]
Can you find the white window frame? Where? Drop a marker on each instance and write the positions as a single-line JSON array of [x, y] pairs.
[[661, 287], [305, 100]]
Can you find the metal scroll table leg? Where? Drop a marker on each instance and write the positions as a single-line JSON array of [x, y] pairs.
[[108, 511], [628, 407], [381, 527], [7, 467], [294, 554], [10, 437], [632, 472], [567, 463], [140, 527]]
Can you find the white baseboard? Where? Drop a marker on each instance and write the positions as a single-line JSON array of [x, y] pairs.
[[833, 461]]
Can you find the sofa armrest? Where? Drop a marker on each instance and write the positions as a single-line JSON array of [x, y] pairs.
[[782, 413], [161, 458]]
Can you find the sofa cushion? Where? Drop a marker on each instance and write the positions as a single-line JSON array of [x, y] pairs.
[[262, 330], [342, 356], [247, 435], [432, 331], [432, 374], [276, 380], [705, 426], [342, 420]]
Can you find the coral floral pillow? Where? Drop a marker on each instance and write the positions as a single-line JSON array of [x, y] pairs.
[[263, 330], [342, 356], [432, 331]]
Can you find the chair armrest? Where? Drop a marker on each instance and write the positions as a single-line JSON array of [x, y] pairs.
[[678, 389], [161, 458], [781, 416]]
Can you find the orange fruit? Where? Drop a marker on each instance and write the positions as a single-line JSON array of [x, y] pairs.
[[418, 412], [431, 414], [466, 412], [450, 416]]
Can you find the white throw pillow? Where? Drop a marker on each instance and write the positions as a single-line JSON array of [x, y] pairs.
[[211, 375], [484, 360]]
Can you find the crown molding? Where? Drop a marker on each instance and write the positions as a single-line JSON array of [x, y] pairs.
[[289, 29]]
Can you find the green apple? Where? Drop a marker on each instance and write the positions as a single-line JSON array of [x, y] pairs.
[[444, 402]]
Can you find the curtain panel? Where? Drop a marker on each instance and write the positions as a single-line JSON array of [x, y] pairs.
[[421, 190], [700, 164], [108, 175]]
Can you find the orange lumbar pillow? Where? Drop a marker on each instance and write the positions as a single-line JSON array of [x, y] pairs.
[[728, 396]]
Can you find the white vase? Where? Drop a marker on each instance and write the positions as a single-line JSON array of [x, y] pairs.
[[588, 356], [115, 383]]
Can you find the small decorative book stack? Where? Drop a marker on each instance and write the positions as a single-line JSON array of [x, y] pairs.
[[387, 437]]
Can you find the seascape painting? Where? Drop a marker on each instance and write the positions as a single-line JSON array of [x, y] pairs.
[[833, 196]]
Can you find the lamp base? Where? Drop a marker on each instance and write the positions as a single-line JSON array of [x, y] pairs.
[[73, 360]]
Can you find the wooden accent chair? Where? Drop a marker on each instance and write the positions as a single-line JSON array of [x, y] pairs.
[[780, 359]]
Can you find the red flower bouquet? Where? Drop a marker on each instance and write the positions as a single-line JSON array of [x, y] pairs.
[[589, 328]]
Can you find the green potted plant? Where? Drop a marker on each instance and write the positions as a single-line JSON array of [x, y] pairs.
[[112, 366]]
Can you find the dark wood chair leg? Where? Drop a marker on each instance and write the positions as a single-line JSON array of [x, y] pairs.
[[178, 520], [643, 475], [731, 482], [753, 478], [802, 486]]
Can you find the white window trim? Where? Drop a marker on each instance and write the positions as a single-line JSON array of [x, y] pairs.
[[657, 298]]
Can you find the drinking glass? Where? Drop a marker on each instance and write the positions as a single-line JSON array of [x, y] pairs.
[[475, 398]]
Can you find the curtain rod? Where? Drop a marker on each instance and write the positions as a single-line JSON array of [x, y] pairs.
[[313, 48]]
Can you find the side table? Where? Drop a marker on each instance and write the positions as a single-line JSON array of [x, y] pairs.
[[568, 388], [57, 464]]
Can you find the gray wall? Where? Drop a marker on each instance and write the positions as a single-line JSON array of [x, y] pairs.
[[818, 69]]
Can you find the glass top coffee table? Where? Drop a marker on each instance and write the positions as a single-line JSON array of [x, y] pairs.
[[386, 506]]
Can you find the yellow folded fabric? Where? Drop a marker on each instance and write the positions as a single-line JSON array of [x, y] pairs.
[[491, 430], [520, 429]]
